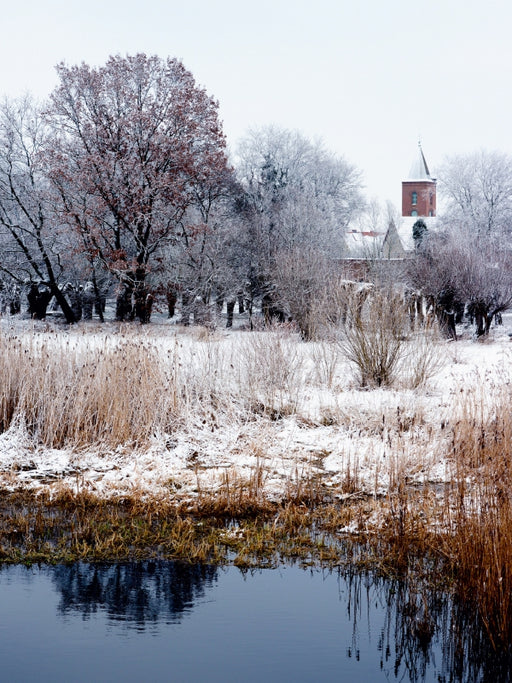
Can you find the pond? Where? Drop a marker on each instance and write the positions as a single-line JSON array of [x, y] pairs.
[[166, 621]]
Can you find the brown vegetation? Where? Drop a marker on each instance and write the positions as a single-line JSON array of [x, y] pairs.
[[454, 536]]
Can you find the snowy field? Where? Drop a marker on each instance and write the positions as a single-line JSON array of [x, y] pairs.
[[286, 414]]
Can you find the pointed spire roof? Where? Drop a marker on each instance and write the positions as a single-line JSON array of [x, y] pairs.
[[419, 169]]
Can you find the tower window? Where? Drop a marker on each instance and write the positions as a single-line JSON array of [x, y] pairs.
[[431, 198], [414, 198], [414, 213]]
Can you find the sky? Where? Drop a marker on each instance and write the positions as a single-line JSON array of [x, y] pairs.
[[368, 78]]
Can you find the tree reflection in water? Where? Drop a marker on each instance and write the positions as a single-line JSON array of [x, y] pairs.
[[417, 626], [138, 593]]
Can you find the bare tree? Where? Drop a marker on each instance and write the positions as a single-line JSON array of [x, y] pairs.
[[296, 196], [133, 140], [304, 279], [468, 263], [200, 259], [478, 192], [35, 245], [459, 268]]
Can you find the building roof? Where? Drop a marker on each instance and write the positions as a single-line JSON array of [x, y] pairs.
[[419, 169], [363, 243], [399, 239]]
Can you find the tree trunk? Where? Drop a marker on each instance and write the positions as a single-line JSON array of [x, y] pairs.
[[63, 303], [143, 303], [100, 306], [230, 309], [124, 307], [172, 298]]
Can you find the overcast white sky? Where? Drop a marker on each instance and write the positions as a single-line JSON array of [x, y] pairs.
[[367, 77]]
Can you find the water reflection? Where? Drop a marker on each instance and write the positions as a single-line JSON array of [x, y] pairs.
[[136, 593], [410, 637], [285, 624], [423, 631]]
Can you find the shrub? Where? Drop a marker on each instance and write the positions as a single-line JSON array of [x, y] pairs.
[[426, 356], [374, 340]]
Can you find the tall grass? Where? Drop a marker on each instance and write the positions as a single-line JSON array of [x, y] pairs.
[[119, 392], [271, 372], [480, 513], [463, 536], [125, 388]]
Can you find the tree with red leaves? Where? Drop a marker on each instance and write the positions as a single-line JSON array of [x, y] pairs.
[[132, 141]]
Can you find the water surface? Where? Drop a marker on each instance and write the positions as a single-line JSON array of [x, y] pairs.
[[164, 621]]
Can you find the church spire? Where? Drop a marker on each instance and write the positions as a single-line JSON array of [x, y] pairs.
[[419, 190], [419, 169]]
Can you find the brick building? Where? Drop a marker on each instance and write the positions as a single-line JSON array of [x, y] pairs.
[[418, 201], [419, 190]]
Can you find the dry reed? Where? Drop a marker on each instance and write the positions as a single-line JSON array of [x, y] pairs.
[[480, 513], [125, 388], [119, 392]]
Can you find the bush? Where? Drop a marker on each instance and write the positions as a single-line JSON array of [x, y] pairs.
[[374, 339], [425, 357]]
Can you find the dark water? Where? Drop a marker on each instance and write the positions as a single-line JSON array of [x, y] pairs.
[[161, 621]]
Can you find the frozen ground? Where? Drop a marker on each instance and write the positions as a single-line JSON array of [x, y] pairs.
[[351, 439]]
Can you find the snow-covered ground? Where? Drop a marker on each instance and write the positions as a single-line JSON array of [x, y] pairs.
[[349, 438]]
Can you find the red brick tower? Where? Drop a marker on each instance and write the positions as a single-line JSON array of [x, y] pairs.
[[419, 190]]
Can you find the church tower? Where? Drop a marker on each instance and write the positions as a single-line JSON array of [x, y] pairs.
[[419, 190]]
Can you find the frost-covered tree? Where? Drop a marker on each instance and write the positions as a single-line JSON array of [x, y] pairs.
[[295, 195], [419, 231], [35, 247], [198, 262], [468, 263], [457, 269], [133, 141], [477, 189]]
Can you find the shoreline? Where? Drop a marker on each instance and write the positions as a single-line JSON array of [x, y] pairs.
[[166, 443]]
